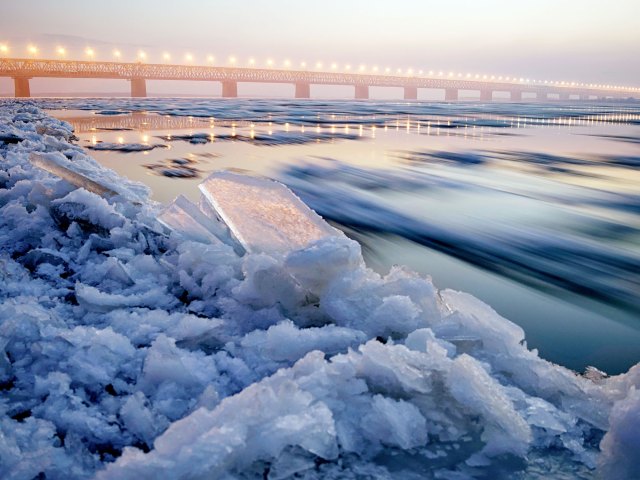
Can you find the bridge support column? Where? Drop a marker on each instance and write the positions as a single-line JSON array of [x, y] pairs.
[[229, 89], [21, 87], [303, 90], [362, 92], [450, 94], [138, 87], [486, 95], [410, 93], [516, 95]]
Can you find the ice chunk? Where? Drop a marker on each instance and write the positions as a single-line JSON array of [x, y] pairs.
[[264, 215], [50, 163], [621, 444], [95, 300], [186, 218], [59, 165], [505, 430], [395, 423]]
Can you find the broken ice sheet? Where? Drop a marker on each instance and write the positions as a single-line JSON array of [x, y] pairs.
[[264, 215], [79, 176], [187, 219], [51, 163]]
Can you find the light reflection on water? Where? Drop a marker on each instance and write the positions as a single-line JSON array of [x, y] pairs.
[[534, 209]]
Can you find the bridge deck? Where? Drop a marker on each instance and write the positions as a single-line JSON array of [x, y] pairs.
[[31, 68]]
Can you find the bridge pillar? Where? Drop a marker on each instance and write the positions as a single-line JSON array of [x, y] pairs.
[[303, 90], [486, 95], [410, 93], [450, 94], [21, 87], [362, 92], [516, 95], [229, 89], [138, 87]]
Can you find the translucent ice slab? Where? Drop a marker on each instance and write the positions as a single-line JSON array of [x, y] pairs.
[[265, 216], [186, 218], [52, 163]]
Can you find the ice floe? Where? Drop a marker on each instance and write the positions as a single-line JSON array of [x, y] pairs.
[[125, 147]]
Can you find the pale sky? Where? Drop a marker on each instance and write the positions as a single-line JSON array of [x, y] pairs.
[[588, 40]]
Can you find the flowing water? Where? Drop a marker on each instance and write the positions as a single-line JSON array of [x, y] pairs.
[[535, 209]]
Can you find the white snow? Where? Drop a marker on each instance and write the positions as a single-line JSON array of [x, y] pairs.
[[131, 348]]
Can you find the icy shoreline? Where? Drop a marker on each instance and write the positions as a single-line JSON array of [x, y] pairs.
[[133, 351]]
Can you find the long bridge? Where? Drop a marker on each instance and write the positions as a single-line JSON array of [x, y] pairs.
[[137, 73]]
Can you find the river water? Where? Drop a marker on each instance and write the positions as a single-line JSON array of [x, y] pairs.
[[535, 209]]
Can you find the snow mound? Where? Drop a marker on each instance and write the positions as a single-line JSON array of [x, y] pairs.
[[141, 341]]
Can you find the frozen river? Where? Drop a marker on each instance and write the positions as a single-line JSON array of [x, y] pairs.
[[534, 209]]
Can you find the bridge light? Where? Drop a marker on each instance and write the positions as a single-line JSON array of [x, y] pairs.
[[431, 72], [117, 54], [477, 75], [188, 57], [440, 73], [166, 56], [420, 72], [252, 61], [210, 58], [287, 63], [347, 67], [319, 65], [90, 52], [451, 74], [459, 75], [399, 70], [61, 51], [375, 68], [410, 71], [269, 62], [142, 56], [32, 49], [484, 77], [361, 68], [334, 66], [500, 78], [232, 60], [303, 64], [4, 49]]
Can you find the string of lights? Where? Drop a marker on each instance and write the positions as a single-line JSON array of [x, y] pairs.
[[187, 58]]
